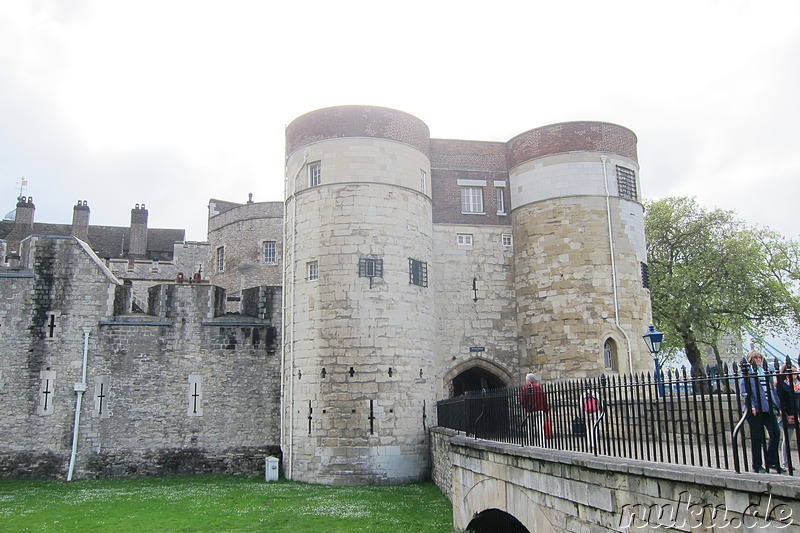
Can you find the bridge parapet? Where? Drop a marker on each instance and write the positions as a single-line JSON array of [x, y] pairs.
[[550, 490]]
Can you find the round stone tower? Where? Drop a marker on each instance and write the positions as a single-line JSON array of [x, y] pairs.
[[579, 250], [358, 343]]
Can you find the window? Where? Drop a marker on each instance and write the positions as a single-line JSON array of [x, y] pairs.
[[472, 200], [270, 255], [626, 183], [221, 259], [501, 202], [506, 238], [154, 267], [312, 271], [610, 355], [463, 239], [417, 272], [423, 181], [370, 268], [314, 174], [645, 276]]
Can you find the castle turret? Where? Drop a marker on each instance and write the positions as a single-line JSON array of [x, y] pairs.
[[80, 220], [358, 369], [138, 243], [579, 249]]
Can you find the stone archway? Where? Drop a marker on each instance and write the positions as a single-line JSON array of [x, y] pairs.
[[476, 374], [495, 521]]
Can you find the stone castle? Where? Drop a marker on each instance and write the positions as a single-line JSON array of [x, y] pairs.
[[400, 269]]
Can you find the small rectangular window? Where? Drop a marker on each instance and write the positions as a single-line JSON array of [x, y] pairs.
[[464, 239], [370, 268], [645, 276], [312, 270], [221, 259], [423, 181], [417, 272], [626, 183], [154, 267], [314, 174], [501, 202], [270, 252], [506, 238], [472, 200]]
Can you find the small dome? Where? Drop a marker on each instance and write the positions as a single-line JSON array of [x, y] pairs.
[[11, 215]]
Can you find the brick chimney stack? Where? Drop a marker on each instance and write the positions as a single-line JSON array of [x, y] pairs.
[[80, 220], [138, 242], [25, 211]]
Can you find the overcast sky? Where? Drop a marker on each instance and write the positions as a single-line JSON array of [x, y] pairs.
[[171, 103]]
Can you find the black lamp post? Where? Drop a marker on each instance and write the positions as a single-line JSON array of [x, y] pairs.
[[653, 339]]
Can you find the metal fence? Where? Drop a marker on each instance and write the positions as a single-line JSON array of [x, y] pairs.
[[678, 419]]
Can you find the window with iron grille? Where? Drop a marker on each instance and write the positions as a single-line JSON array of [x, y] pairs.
[[370, 268], [270, 252], [314, 174], [312, 271], [471, 200], [221, 259], [417, 272], [645, 276], [626, 183]]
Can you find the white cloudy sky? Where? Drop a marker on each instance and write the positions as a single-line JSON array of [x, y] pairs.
[[170, 103]]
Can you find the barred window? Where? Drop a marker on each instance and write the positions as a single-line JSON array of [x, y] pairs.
[[221, 259], [626, 183], [270, 252], [417, 272], [370, 268], [471, 200], [312, 271], [314, 174], [645, 276], [423, 181]]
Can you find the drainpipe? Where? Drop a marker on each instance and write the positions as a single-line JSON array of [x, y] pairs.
[[290, 437], [603, 158], [79, 388]]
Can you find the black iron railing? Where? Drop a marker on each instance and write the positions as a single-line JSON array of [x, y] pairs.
[[680, 419]]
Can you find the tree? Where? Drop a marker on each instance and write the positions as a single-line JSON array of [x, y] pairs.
[[711, 275]]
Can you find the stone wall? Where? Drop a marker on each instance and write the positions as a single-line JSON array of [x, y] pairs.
[[185, 389]]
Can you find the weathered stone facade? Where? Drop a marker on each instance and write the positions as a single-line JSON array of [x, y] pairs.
[[532, 253], [182, 389], [399, 270]]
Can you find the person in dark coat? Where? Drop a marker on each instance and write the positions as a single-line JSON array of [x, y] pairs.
[[788, 388], [762, 405]]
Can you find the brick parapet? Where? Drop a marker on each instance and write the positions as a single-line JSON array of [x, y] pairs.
[[357, 121], [571, 137]]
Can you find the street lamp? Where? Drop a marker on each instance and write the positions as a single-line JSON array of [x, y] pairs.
[[653, 339]]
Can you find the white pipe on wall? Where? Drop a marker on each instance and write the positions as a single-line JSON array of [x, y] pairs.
[[603, 158], [80, 388]]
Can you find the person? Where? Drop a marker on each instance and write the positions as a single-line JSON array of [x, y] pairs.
[[788, 389], [762, 404], [534, 401], [592, 409]]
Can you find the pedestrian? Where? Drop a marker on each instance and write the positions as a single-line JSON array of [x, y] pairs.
[[788, 388], [763, 406], [592, 408], [534, 401]]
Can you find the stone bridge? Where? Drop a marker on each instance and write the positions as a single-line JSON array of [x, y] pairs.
[[496, 487]]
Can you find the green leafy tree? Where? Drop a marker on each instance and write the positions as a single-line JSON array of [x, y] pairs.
[[711, 275]]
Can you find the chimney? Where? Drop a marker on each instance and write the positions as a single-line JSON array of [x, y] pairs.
[[138, 239], [24, 213], [80, 220]]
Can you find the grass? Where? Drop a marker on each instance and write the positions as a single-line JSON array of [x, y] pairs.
[[220, 504]]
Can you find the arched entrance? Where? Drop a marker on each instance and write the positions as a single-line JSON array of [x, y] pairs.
[[475, 375], [495, 521]]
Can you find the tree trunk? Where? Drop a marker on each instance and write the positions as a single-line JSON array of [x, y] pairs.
[[692, 351]]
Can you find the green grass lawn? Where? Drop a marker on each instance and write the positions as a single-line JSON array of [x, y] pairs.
[[220, 504]]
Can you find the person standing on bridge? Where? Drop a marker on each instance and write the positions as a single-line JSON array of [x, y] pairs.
[[534, 401], [762, 405]]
